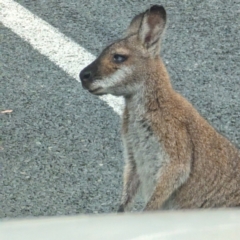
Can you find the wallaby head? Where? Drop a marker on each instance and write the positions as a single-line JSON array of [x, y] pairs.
[[124, 65]]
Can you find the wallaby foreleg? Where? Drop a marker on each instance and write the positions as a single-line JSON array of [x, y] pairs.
[[170, 179], [130, 185]]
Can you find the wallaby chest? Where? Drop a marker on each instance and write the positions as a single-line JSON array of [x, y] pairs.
[[146, 149]]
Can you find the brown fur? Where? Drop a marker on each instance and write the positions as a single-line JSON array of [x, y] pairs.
[[194, 166], [214, 162]]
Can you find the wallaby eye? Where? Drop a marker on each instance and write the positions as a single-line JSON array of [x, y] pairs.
[[117, 58]]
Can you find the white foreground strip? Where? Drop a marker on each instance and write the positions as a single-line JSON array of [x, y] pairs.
[[46, 39], [167, 225]]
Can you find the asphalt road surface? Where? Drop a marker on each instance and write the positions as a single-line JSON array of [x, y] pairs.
[[60, 148]]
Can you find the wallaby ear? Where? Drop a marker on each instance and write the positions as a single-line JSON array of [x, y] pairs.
[[151, 28], [134, 25]]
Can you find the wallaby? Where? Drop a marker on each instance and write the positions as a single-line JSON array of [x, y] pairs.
[[171, 152]]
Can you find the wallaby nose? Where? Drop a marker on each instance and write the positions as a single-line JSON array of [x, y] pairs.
[[85, 75]]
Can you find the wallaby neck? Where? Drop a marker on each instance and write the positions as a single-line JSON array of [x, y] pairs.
[[155, 90]]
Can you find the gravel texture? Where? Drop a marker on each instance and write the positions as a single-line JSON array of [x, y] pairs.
[[60, 148]]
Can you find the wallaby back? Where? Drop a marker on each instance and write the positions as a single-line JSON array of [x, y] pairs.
[[171, 152]]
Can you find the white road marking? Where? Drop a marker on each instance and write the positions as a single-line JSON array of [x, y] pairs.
[[61, 50]]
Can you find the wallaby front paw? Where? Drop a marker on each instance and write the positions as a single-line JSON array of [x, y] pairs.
[[121, 208], [150, 207], [146, 208]]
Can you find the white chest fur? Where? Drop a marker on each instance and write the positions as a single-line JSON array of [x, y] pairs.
[[148, 152]]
